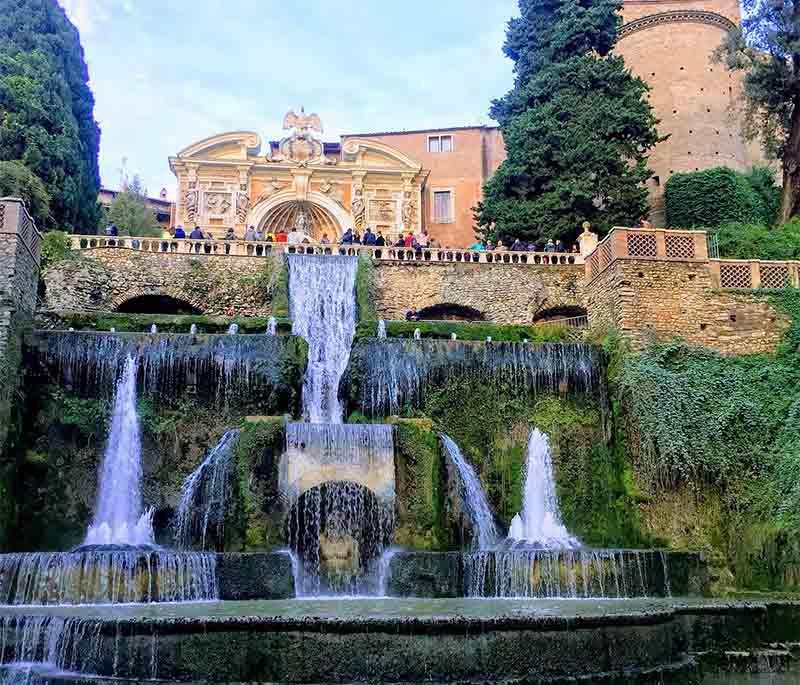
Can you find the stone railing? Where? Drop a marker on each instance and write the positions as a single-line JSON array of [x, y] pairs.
[[646, 243], [747, 274], [14, 219], [242, 248]]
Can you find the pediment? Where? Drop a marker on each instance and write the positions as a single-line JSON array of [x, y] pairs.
[[370, 153], [236, 145]]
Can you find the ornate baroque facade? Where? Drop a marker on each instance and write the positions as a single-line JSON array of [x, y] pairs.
[[405, 180]]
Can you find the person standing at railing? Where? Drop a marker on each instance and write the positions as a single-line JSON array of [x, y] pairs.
[[179, 232], [347, 238], [324, 240], [479, 246], [250, 233], [269, 237], [401, 241], [281, 237], [229, 234], [196, 234], [259, 235], [560, 246], [380, 241], [295, 237], [369, 237]]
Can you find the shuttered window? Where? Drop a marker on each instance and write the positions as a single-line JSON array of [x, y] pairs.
[[442, 207]]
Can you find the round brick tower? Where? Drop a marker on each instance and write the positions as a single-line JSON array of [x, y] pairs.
[[669, 43]]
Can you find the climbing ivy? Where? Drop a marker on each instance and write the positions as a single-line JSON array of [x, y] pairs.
[[365, 289]]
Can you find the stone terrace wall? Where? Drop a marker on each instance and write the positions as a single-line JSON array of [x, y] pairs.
[[19, 275], [648, 299], [506, 294], [102, 279]]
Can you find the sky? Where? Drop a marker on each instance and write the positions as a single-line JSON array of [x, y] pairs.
[[167, 74]]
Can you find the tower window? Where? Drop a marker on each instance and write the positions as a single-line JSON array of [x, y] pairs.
[[440, 143]]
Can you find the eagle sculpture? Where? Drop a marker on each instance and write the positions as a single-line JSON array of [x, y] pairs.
[[302, 122]]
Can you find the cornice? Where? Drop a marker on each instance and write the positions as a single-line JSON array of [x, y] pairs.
[[676, 17]]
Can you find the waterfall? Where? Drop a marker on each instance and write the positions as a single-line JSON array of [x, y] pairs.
[[221, 368], [540, 521], [485, 533], [573, 574], [322, 306], [118, 518], [397, 373], [339, 480], [107, 576], [381, 330], [272, 326], [205, 495]]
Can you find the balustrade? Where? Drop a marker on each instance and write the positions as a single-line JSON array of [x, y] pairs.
[[241, 248]]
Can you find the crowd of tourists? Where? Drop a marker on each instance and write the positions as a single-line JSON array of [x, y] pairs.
[[416, 241]]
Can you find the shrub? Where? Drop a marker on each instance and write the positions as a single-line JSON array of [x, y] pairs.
[[56, 248], [756, 241], [714, 197], [16, 180]]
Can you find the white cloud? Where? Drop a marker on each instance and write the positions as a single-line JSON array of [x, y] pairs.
[[87, 15]]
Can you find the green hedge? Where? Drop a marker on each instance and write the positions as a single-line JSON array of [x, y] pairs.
[[756, 241], [442, 330], [166, 323], [717, 196]]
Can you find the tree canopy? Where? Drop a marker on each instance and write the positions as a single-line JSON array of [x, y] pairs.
[[577, 126], [130, 214], [16, 180], [47, 109], [767, 50]]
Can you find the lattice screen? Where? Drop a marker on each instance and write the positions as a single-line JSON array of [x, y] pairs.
[[735, 276], [774, 275], [2, 216], [641, 245], [606, 255], [594, 264], [680, 246]]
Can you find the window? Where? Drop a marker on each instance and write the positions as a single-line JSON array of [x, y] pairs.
[[440, 143], [442, 207]]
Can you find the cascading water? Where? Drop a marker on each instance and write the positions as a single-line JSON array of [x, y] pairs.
[[539, 523], [118, 518], [485, 532], [272, 326], [338, 528], [396, 373], [205, 495], [381, 330], [322, 306]]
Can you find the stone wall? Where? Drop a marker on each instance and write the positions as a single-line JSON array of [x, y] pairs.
[[103, 279], [19, 275], [648, 299], [506, 294]]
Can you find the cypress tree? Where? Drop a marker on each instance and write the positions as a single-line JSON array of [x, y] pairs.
[[47, 109], [577, 127]]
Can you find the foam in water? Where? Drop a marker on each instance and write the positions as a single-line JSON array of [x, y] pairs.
[[322, 306], [381, 330], [118, 518], [539, 522], [205, 495], [338, 529], [485, 532], [233, 329], [272, 326]]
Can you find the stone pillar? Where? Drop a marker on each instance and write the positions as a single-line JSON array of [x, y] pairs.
[[19, 278]]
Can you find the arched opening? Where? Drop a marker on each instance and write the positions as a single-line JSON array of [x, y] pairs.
[[157, 304], [338, 531], [450, 312], [307, 217], [554, 314]]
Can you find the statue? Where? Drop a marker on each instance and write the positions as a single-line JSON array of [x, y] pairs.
[[409, 211], [358, 208], [242, 206], [300, 223], [191, 200], [303, 124]]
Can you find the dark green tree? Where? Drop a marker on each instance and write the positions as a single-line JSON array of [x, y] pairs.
[[47, 110], [767, 50], [577, 127], [16, 180]]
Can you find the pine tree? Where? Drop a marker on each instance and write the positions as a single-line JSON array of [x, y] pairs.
[[577, 127], [47, 110]]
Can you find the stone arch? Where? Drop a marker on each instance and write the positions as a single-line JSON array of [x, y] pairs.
[[561, 311], [450, 311], [259, 214], [174, 293], [677, 17]]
